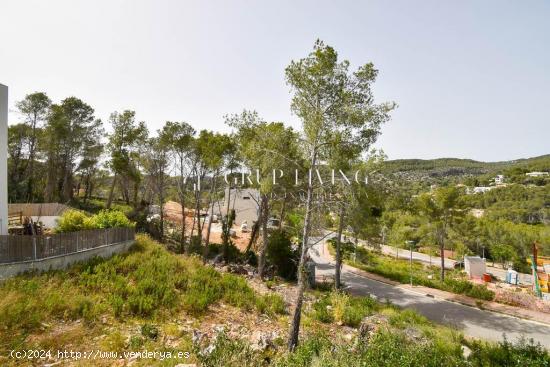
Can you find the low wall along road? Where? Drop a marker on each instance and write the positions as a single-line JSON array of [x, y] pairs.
[[19, 254]]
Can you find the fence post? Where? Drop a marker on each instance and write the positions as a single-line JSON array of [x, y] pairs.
[[34, 247]]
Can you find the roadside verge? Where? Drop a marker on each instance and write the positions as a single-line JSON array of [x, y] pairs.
[[531, 315]]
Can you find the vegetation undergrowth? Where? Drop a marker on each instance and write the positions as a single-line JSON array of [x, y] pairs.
[[146, 283], [384, 336]]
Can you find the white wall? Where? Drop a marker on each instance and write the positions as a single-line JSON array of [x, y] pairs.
[[3, 159]]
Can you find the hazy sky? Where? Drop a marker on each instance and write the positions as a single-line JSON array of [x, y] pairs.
[[472, 78]]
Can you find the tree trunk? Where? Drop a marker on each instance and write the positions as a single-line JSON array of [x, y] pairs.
[[442, 254], [282, 214], [182, 202], [87, 184], [111, 193], [296, 318], [198, 213], [136, 191], [161, 200], [79, 185], [227, 227], [124, 188], [338, 268], [89, 190], [208, 229], [30, 182], [193, 227], [263, 248], [254, 234]]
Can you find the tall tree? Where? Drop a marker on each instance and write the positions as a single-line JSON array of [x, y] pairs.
[[157, 165], [35, 108], [92, 149], [332, 103], [199, 164], [70, 124], [125, 143], [18, 138], [266, 148], [441, 208], [179, 137], [216, 160]]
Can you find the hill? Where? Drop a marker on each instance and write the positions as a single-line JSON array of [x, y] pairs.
[[417, 169]]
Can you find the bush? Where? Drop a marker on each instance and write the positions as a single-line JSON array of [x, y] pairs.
[[149, 331], [75, 220], [524, 353], [109, 219], [322, 310], [233, 253], [72, 221], [468, 288], [195, 246], [281, 256], [270, 304], [343, 308], [347, 248]]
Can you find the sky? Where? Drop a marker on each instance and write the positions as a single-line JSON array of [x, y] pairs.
[[471, 78]]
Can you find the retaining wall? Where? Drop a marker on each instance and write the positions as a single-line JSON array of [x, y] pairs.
[[62, 261]]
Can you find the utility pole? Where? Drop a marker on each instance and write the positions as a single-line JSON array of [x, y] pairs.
[[3, 160], [411, 243]]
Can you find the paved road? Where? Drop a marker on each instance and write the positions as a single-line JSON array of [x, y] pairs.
[[471, 321]]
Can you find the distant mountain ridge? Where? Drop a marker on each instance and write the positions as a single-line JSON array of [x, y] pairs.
[[458, 165]]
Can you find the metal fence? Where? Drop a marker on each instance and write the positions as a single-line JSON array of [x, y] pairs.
[[24, 248]]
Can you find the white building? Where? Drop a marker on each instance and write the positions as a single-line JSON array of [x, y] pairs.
[[480, 189], [499, 180], [246, 204], [536, 174]]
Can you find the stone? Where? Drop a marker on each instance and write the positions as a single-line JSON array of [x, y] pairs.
[[261, 341], [208, 350], [466, 351], [197, 337]]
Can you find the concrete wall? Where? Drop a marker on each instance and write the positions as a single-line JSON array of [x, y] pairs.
[[62, 261], [49, 221]]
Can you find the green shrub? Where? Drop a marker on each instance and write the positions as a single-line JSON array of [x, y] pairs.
[[150, 331], [270, 304], [72, 221], [148, 283], [322, 310], [195, 246], [343, 308], [524, 353], [109, 219], [233, 253], [75, 220], [281, 255]]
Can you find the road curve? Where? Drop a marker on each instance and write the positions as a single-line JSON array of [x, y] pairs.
[[471, 321]]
